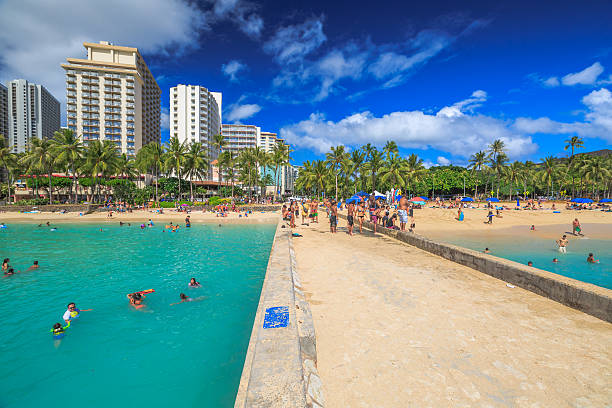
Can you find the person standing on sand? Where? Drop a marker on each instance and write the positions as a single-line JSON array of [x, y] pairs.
[[361, 215], [411, 215], [576, 227], [333, 217], [402, 211], [562, 242], [350, 208]]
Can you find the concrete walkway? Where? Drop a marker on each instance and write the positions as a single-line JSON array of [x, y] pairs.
[[399, 327]]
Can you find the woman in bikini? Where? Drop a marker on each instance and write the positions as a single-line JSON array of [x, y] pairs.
[[360, 214]]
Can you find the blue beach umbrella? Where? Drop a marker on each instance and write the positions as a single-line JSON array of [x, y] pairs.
[[493, 199], [362, 194], [465, 199], [582, 200], [606, 200]]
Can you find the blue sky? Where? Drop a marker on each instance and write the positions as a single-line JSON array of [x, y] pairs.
[[443, 79]]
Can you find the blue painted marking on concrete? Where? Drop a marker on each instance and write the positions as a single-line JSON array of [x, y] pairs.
[[276, 317]]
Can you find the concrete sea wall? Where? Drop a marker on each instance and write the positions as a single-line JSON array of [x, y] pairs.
[[280, 368], [588, 298], [84, 208]]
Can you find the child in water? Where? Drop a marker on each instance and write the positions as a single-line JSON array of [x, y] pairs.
[[184, 298], [194, 284]]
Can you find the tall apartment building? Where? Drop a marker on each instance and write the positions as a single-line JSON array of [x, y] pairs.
[[32, 113], [112, 95], [195, 115], [240, 137], [4, 128]]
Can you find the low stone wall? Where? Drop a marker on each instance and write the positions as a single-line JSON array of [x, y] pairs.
[[280, 365], [588, 298], [84, 208]]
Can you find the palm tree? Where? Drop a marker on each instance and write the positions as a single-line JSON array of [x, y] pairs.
[[477, 163], [100, 160], [514, 175], [151, 157], [414, 171], [574, 143], [373, 166], [333, 161], [279, 157], [8, 161], [549, 171], [357, 171], [69, 151], [41, 156], [320, 173], [247, 161], [390, 148], [124, 167], [196, 164], [175, 158], [394, 171], [219, 143], [595, 171]]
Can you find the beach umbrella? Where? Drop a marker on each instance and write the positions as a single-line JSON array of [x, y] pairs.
[[419, 199], [606, 200], [378, 195], [353, 200], [582, 200], [362, 194], [465, 199], [493, 199]]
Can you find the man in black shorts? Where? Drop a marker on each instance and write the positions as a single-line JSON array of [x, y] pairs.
[[333, 216], [411, 215], [349, 218]]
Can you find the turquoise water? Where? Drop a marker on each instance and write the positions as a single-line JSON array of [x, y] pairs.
[[187, 355], [541, 252]]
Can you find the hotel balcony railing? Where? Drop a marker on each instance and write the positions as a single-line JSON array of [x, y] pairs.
[[108, 109], [71, 115], [71, 80], [71, 107], [130, 138], [129, 105], [129, 84], [91, 108], [71, 86]]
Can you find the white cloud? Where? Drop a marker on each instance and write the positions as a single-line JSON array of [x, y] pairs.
[[238, 112], [597, 123], [314, 79], [427, 44], [292, 43], [232, 68], [165, 118], [587, 76], [242, 14], [461, 133], [551, 82], [443, 161], [36, 37]]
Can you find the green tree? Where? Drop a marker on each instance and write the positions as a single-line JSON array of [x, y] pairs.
[[334, 160], [8, 161], [40, 156], [477, 163], [151, 158], [375, 163], [394, 171], [175, 158], [219, 142], [100, 161], [196, 164], [68, 150]]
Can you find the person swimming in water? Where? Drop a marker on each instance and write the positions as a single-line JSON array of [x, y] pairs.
[[188, 221], [9, 272], [184, 298], [194, 284], [591, 258], [5, 264], [136, 299], [73, 313], [34, 266], [555, 260], [58, 331], [486, 251]]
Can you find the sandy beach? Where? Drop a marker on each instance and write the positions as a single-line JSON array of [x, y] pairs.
[[139, 216], [398, 327]]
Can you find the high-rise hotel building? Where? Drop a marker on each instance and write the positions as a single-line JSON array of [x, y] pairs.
[[31, 112], [4, 113], [112, 95], [195, 115]]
